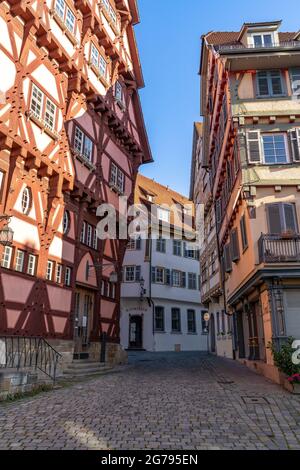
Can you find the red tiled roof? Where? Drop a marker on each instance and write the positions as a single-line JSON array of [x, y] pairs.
[[219, 38]]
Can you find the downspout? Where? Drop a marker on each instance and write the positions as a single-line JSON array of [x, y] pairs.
[[150, 300]]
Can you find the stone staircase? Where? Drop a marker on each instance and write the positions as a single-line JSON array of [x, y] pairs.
[[79, 369]]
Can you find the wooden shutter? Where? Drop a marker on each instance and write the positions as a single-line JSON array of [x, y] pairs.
[[137, 273], [183, 280], [227, 258], [254, 147], [290, 217], [295, 144], [235, 249], [138, 244], [244, 233], [274, 219], [168, 277]]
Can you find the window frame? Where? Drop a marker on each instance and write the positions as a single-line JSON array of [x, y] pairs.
[[270, 84], [64, 18], [282, 216], [100, 67], [286, 145], [114, 178], [20, 267], [66, 222], [27, 208], [41, 116], [68, 276], [189, 330], [84, 138], [31, 267], [178, 311], [7, 257], [162, 311], [49, 272]]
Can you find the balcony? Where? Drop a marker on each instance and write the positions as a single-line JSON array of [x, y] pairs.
[[279, 248], [238, 47]]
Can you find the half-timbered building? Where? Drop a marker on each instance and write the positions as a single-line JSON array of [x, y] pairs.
[[72, 136]]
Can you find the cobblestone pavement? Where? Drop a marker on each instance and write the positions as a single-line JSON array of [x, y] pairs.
[[160, 401]]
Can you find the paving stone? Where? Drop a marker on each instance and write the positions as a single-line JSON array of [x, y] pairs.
[[170, 402]]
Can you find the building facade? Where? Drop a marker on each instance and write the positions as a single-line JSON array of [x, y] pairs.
[[160, 301], [251, 151], [72, 137], [211, 285]]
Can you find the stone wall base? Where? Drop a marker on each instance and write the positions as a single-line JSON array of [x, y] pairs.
[[267, 370], [13, 382]]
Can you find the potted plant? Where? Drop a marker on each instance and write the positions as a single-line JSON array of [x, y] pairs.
[[288, 234], [283, 361], [294, 380]]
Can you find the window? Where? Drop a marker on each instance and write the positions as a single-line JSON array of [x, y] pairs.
[[49, 272], [192, 281], [176, 279], [117, 178], [119, 95], [26, 201], [89, 238], [66, 222], [159, 277], [190, 251], [95, 239], [83, 144], [83, 232], [159, 319], [58, 273], [263, 40], [20, 257], [161, 245], [243, 228], [191, 321], [270, 83], [43, 108], [281, 218], [6, 257], [295, 82], [68, 276], [163, 214], [98, 61], [66, 15], [275, 148], [132, 273], [31, 265], [295, 144], [176, 320], [177, 248], [134, 244], [36, 101]]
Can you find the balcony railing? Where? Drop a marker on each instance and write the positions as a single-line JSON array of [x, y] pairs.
[[244, 47], [279, 248]]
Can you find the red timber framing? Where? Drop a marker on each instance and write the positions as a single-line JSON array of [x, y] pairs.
[[51, 88]]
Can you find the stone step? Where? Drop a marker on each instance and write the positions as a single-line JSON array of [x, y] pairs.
[[85, 365], [75, 373]]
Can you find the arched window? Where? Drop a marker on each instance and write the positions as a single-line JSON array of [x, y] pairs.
[[26, 200], [66, 222]]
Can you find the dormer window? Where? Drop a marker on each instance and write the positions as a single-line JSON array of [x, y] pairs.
[[263, 40]]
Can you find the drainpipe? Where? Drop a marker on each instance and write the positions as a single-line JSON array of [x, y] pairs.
[[150, 300]]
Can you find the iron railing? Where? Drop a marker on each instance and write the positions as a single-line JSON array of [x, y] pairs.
[[240, 46], [18, 352], [279, 248]]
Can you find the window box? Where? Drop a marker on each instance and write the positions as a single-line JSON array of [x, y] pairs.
[[83, 160], [42, 124]]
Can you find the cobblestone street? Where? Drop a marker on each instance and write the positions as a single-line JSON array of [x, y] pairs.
[[160, 401]]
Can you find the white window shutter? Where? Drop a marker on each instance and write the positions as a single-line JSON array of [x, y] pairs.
[[295, 144], [254, 147]]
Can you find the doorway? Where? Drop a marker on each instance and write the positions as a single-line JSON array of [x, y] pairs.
[[136, 332], [83, 322]]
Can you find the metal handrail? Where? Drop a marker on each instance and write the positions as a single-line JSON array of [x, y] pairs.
[[21, 352], [239, 46]]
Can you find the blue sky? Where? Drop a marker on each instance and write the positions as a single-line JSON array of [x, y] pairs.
[[169, 44]]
